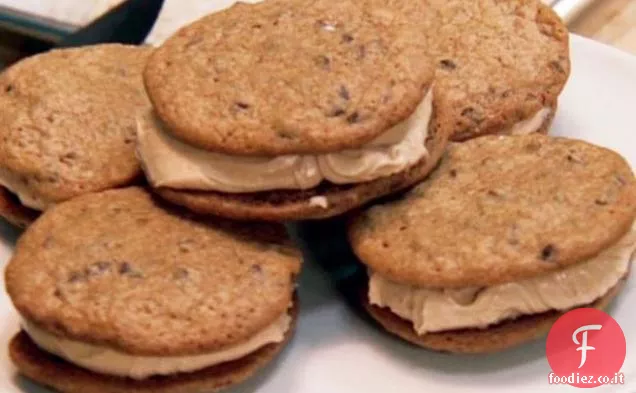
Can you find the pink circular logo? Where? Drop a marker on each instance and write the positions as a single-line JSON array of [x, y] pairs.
[[586, 348]]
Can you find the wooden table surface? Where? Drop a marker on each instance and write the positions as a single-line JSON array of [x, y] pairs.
[[610, 21]]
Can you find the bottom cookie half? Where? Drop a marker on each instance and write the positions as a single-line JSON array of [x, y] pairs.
[[14, 212]]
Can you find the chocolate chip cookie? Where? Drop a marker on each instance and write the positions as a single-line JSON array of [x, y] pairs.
[[508, 233], [67, 124], [161, 300], [287, 110]]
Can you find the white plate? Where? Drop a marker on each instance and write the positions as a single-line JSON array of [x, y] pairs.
[[337, 352]]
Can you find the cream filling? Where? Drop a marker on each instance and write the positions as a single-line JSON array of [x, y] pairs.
[[108, 361], [174, 164], [18, 188], [435, 310], [532, 124]]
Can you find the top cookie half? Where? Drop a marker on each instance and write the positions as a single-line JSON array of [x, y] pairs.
[[291, 77], [498, 63], [67, 122], [501, 209]]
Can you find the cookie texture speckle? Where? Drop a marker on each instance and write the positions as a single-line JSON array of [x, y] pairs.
[[67, 120], [498, 62], [500, 209], [65, 377], [13, 211], [477, 341], [285, 205], [117, 269], [291, 77]]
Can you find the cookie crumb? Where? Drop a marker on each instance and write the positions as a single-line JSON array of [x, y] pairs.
[[319, 201], [327, 26]]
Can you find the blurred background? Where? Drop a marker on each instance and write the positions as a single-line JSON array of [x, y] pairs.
[[27, 26]]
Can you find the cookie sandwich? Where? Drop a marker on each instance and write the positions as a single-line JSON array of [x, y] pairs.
[[290, 110], [119, 295], [501, 65], [508, 234], [67, 125]]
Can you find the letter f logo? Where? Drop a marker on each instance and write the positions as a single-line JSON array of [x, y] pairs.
[[584, 347]]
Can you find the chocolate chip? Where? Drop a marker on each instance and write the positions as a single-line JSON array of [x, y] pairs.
[[128, 141], [362, 52], [621, 180], [242, 105], [335, 112], [344, 93], [48, 242], [68, 158], [447, 64], [57, 293], [556, 66], [8, 88], [181, 274], [186, 245], [257, 26], [75, 277], [548, 252], [324, 62], [98, 268], [353, 118], [493, 193], [284, 134], [126, 269], [453, 173], [347, 38], [601, 202]]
